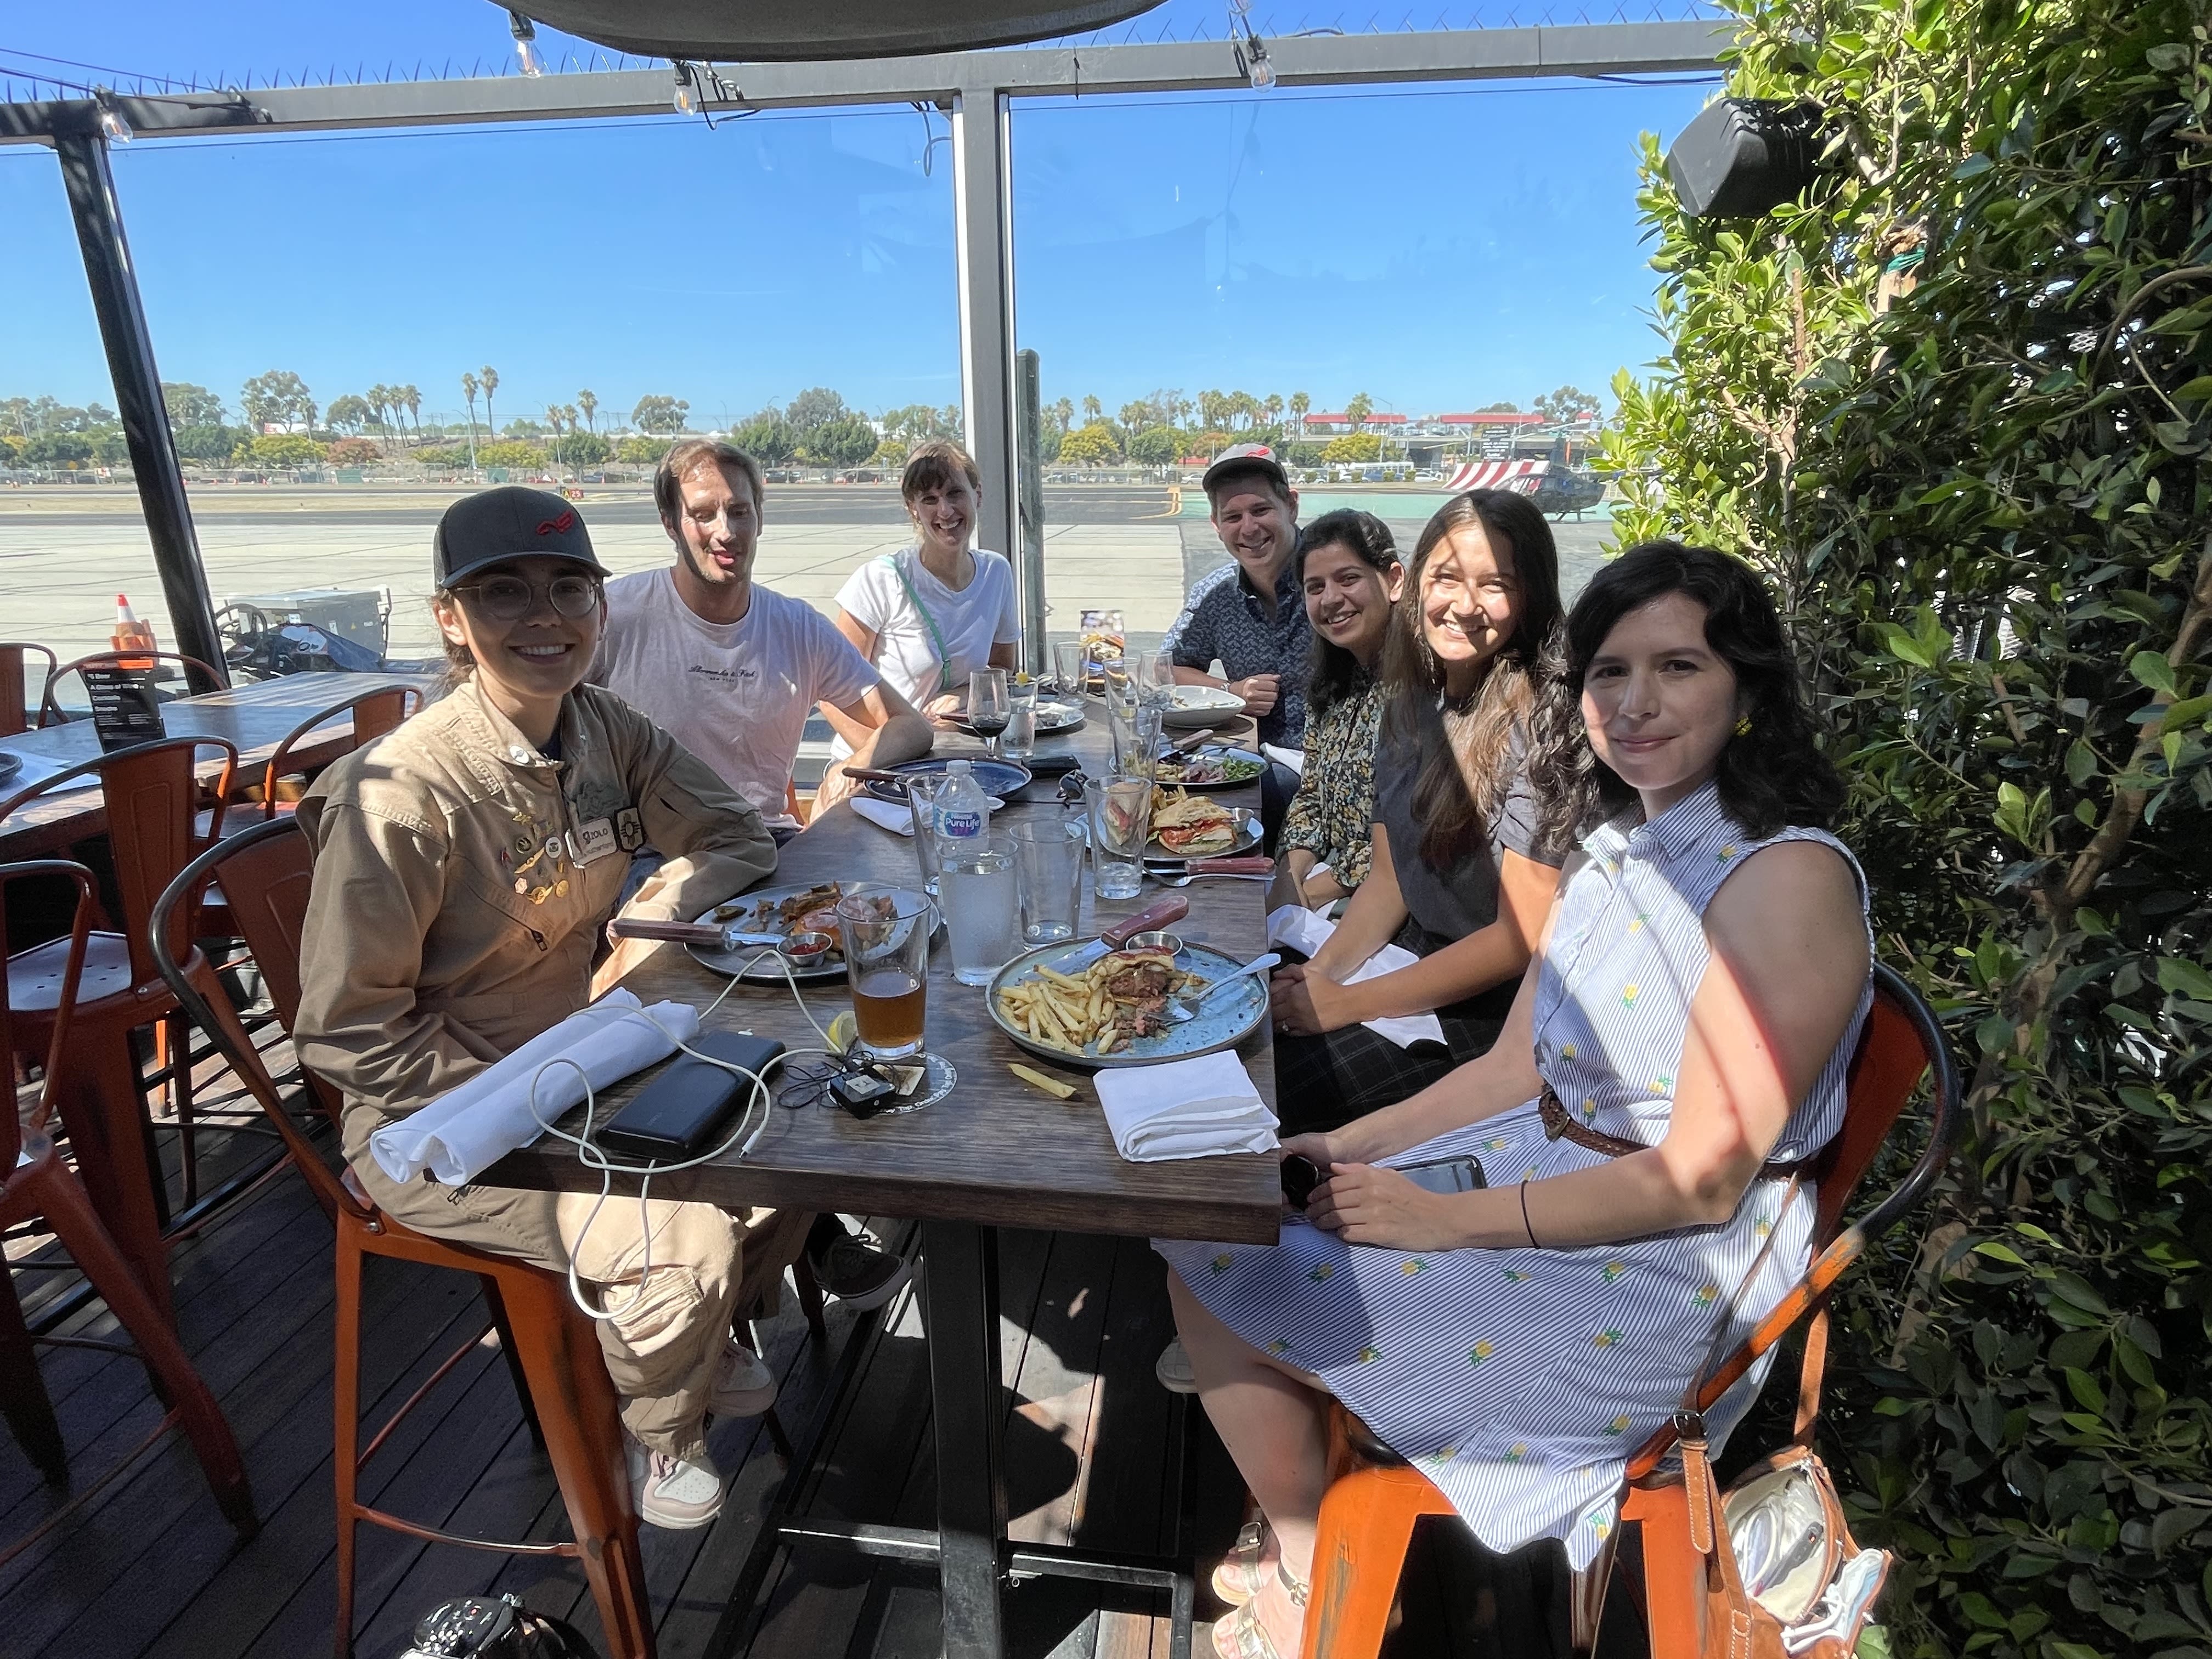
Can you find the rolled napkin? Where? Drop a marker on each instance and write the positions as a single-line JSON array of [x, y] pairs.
[[466, 1130], [1306, 931], [1293, 758], [899, 819], [1185, 1108]]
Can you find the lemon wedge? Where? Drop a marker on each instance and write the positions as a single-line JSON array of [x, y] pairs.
[[843, 1031]]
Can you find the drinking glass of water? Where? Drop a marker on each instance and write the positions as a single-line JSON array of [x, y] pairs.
[[989, 705], [979, 890], [1049, 858], [1020, 739], [886, 940], [1068, 666], [1120, 825]]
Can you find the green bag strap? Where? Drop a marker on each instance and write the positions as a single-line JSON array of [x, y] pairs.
[[937, 639]]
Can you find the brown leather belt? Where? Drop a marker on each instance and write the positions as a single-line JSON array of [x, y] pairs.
[[1559, 1125]]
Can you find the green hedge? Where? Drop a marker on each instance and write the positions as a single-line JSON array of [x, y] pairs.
[[1990, 511]]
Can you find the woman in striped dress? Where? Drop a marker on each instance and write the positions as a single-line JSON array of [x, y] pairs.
[[1681, 1036]]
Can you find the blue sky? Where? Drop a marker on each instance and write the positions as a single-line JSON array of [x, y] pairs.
[[1436, 248]]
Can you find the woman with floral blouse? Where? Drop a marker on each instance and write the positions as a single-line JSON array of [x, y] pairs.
[[1351, 576]]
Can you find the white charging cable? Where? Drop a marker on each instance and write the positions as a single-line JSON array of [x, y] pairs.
[[592, 1156]]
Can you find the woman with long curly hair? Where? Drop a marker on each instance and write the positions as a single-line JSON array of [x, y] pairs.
[[1457, 874], [1679, 1049]]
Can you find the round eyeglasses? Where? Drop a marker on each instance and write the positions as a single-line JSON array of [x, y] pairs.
[[510, 598]]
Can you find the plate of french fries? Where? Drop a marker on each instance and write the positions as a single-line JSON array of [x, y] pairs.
[[1106, 1012]]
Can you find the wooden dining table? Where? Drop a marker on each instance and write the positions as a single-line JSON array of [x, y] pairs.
[[254, 718], [996, 1152]]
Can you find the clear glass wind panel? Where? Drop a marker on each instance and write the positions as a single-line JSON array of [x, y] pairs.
[[1388, 285], [370, 324]]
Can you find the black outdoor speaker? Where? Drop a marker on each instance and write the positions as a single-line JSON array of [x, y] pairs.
[[1743, 156]]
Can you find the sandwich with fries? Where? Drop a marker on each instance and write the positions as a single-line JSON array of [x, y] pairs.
[[1118, 998]]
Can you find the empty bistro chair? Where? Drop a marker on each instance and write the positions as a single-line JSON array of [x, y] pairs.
[[35, 1183], [199, 678], [151, 792], [15, 689]]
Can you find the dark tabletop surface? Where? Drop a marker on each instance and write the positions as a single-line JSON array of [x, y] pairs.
[[997, 1150], [254, 717]]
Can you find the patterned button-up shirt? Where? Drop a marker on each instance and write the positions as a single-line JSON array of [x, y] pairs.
[[1225, 617]]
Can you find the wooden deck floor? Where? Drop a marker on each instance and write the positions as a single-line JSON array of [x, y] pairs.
[[148, 1567]]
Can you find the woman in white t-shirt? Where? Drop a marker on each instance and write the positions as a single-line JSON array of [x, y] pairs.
[[930, 614]]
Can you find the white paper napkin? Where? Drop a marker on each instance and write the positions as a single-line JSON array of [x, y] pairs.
[[1185, 1109], [899, 819], [1307, 930], [1293, 758], [466, 1130]]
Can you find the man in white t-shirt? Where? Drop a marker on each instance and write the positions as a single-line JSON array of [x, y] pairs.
[[729, 668]]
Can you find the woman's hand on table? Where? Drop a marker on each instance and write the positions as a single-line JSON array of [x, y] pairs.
[[952, 706], [1369, 1204], [1306, 1003]]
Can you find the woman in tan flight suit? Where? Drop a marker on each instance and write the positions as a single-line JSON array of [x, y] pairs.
[[464, 866]]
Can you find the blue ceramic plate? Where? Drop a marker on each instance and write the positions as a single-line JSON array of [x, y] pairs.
[[1224, 1024], [1000, 778]]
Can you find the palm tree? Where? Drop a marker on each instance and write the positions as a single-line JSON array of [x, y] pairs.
[[412, 397], [1274, 407], [490, 386], [1299, 405], [469, 389], [588, 401]]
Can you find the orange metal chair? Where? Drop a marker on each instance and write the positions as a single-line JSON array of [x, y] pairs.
[[34, 1182], [199, 677], [150, 791], [1374, 1498], [14, 692], [375, 712]]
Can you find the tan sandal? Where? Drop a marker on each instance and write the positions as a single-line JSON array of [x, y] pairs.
[[1238, 1578], [1241, 1636]]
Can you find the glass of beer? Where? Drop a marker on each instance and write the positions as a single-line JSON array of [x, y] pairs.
[[886, 936]]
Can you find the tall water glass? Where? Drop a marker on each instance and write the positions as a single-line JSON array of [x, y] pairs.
[[886, 939], [1134, 729], [1068, 666], [1120, 825], [1018, 741], [979, 894], [1159, 679], [921, 792], [1049, 858]]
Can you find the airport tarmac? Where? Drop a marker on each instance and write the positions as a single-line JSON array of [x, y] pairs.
[[64, 553]]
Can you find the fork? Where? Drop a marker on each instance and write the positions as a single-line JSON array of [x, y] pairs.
[[1244, 869], [1183, 1006]]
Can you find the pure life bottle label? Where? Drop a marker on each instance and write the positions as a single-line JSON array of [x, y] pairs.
[[961, 814]]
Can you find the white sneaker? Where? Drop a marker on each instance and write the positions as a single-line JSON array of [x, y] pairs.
[[1173, 1370], [671, 1492], [744, 1386]]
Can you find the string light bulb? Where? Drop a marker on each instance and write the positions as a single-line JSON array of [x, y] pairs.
[[687, 94], [1258, 69], [526, 44], [112, 126]]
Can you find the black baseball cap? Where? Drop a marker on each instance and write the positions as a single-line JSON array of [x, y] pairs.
[[509, 522], [1245, 457]]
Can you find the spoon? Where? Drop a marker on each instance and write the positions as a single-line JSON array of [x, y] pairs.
[[1184, 1006]]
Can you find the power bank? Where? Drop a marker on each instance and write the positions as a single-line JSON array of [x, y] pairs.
[[680, 1113]]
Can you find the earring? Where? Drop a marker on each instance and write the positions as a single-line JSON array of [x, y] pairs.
[[1743, 726]]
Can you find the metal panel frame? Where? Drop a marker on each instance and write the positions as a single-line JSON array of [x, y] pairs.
[[977, 87]]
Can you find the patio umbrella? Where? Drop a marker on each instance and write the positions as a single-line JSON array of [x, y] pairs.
[[778, 31]]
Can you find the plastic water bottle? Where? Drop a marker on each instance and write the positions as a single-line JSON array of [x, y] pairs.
[[963, 812]]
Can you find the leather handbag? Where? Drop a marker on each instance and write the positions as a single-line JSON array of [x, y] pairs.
[[1780, 1575]]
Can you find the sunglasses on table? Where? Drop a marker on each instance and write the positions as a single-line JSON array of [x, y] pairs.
[[510, 598]]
